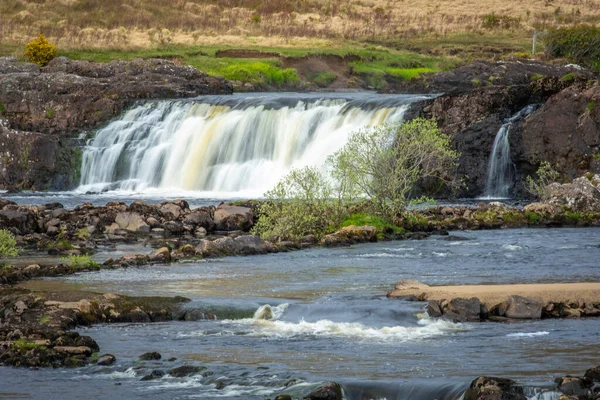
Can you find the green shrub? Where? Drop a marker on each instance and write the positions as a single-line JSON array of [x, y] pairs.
[[385, 163], [80, 261], [40, 51], [83, 234], [532, 217], [513, 217], [414, 220], [8, 244], [591, 106], [300, 204], [579, 44], [545, 176], [324, 79]]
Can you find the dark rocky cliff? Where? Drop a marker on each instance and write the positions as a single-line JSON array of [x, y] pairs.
[[565, 130], [45, 108]]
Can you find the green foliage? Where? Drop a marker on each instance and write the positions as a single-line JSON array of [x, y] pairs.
[[545, 176], [536, 77], [514, 217], [476, 82], [24, 345], [40, 51], [300, 204], [45, 319], [384, 163], [591, 106], [49, 113], [80, 261], [533, 217], [1, 108], [568, 77], [261, 73], [415, 221], [362, 219], [580, 44], [8, 244], [83, 234], [487, 217], [324, 79]]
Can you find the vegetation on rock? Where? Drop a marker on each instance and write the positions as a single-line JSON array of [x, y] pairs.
[[545, 176], [40, 51], [8, 244]]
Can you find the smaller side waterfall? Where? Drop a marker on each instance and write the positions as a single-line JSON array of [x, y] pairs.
[[500, 168]]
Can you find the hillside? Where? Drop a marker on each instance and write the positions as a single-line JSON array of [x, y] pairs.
[[302, 23]]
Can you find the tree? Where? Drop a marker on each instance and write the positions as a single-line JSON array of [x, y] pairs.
[[545, 176], [385, 163], [300, 204]]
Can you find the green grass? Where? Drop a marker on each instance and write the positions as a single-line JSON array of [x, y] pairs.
[[23, 345], [532, 217], [362, 219], [80, 262], [591, 106], [378, 63], [324, 79]]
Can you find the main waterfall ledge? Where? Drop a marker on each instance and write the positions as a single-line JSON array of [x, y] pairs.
[[228, 146]]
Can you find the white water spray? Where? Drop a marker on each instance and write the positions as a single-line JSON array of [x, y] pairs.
[[500, 171], [237, 149]]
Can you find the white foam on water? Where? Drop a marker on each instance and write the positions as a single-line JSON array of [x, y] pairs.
[[512, 247], [527, 334], [440, 254]]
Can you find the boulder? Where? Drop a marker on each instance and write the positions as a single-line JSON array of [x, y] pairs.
[[155, 374], [575, 386], [161, 255], [328, 391], [489, 388], [580, 195], [106, 359], [202, 217], [462, 310], [523, 308], [228, 217], [433, 309], [543, 209], [150, 356], [350, 235], [170, 211], [593, 373], [132, 222], [186, 370], [74, 350]]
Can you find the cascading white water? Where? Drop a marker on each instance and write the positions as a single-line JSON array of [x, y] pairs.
[[500, 173], [236, 147]]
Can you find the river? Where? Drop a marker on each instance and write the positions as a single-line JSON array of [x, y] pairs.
[[332, 321]]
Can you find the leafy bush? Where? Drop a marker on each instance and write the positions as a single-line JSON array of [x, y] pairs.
[[545, 176], [80, 262], [361, 219], [579, 44], [385, 163], [8, 244], [324, 79], [40, 51], [300, 204]]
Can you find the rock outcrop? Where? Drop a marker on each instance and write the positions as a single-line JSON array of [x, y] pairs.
[[45, 107], [489, 388], [581, 195]]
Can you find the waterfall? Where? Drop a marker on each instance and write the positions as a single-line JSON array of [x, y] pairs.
[[236, 146], [500, 168]]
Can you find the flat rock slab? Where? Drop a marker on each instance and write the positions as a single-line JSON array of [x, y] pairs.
[[490, 295]]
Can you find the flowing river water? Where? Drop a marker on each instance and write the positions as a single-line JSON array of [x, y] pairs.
[[332, 321], [330, 318]]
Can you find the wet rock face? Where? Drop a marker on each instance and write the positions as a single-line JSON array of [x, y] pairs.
[[575, 386], [44, 106], [489, 388], [565, 131], [328, 391], [523, 308]]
